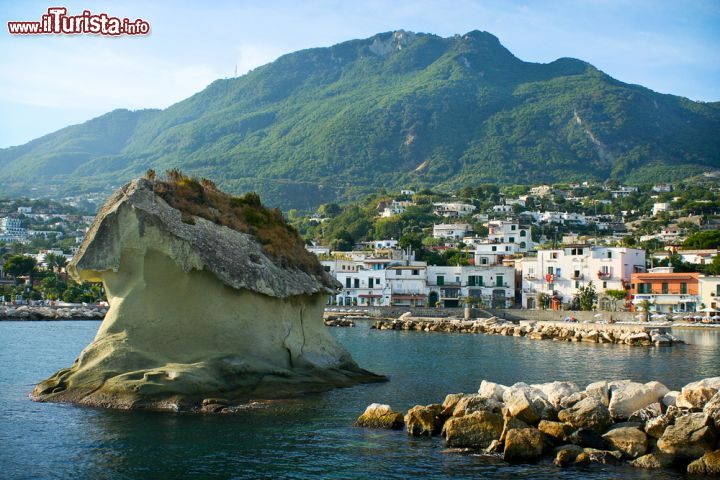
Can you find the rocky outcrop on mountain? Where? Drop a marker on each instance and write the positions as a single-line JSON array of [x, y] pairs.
[[211, 296]]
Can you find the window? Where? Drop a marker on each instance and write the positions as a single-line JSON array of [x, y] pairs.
[[471, 281], [512, 227], [644, 288], [609, 254], [665, 287], [416, 272], [370, 282], [550, 270], [507, 248], [483, 261], [553, 255], [577, 284], [499, 281], [494, 248], [347, 282], [523, 233], [327, 268], [604, 285], [512, 239], [683, 288], [357, 283], [397, 272], [440, 280]]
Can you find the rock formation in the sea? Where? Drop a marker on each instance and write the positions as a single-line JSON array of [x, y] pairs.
[[574, 426], [213, 301]]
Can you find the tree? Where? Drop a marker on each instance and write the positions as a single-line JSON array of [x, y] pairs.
[[703, 240], [19, 265], [586, 296], [714, 267]]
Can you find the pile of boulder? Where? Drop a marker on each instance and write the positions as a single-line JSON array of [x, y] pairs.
[[25, 312], [339, 322], [643, 424], [494, 326]]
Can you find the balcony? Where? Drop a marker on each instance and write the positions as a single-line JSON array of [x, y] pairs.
[[604, 275], [577, 276]]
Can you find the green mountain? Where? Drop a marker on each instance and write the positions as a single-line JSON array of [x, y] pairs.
[[397, 109]]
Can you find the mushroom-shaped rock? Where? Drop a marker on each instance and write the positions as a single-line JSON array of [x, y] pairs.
[[210, 295]]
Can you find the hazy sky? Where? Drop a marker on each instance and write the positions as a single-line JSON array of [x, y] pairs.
[[48, 82]]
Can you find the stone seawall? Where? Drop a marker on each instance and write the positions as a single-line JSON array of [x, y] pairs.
[[25, 312], [639, 335], [514, 314]]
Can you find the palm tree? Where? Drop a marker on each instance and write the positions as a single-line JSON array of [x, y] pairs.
[[50, 259], [60, 262]]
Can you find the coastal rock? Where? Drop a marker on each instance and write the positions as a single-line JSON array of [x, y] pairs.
[[556, 392], [492, 390], [632, 442], [474, 403], [587, 413], [708, 465], [519, 406], [607, 457], [712, 409], [670, 398], [476, 430], [566, 455], [600, 391], [690, 437], [587, 438], [651, 411], [696, 394], [628, 398], [450, 402], [377, 415], [424, 420], [653, 461], [523, 444], [199, 309], [655, 427], [572, 399], [557, 431], [512, 423]]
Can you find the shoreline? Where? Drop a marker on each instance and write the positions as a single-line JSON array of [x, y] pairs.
[[48, 313]]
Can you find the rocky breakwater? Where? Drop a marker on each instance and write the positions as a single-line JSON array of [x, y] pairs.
[[567, 332], [25, 312], [213, 302], [643, 424]]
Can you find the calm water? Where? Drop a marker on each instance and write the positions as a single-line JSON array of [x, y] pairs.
[[311, 437]]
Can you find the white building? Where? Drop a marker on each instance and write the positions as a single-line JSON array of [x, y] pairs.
[[660, 207], [709, 291], [407, 192], [541, 191], [509, 231], [502, 208], [559, 273], [662, 188], [453, 231], [12, 230], [453, 210], [24, 210], [696, 257], [407, 285], [494, 253]]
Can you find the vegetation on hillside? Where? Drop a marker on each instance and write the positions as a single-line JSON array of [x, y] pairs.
[[341, 122]]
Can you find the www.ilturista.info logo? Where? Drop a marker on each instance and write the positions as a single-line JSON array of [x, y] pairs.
[[57, 21]]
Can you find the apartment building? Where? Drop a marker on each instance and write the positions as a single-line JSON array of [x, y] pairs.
[[560, 273], [666, 291]]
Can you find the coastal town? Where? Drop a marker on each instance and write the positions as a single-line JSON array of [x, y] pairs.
[[649, 249]]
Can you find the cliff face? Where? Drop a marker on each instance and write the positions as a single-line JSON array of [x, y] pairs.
[[197, 310]]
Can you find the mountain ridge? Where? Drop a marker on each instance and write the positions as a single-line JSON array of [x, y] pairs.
[[398, 108]]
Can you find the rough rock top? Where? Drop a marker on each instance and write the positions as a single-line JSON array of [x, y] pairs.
[[137, 218]]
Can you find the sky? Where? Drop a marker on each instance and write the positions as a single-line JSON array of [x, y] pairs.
[[52, 81]]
